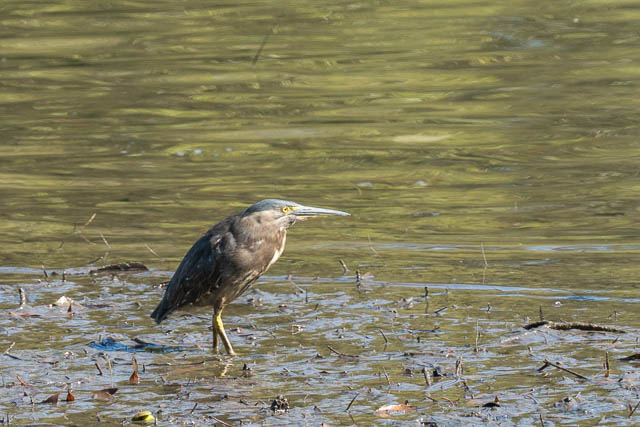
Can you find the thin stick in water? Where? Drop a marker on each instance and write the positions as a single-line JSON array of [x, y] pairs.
[[345, 270], [23, 297], [555, 365], [384, 371], [264, 42], [352, 400]]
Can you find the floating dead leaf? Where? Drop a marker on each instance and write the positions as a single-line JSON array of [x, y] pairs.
[[105, 394], [134, 378], [45, 360], [52, 400], [391, 410], [494, 404], [70, 397], [24, 314]]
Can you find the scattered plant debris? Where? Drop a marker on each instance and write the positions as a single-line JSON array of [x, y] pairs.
[[120, 267], [280, 404], [391, 410]]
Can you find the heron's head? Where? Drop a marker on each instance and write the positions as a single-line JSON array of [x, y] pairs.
[[285, 213]]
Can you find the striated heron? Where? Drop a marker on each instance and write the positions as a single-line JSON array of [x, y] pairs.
[[227, 259]]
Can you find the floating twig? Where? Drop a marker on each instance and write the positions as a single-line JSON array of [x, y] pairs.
[[555, 365], [104, 239], [634, 409], [484, 257], [333, 350], [384, 371], [257, 55], [123, 266], [352, 400], [475, 349], [218, 420], [90, 219], [386, 341], [6, 353], [9, 349], [563, 326], [298, 289], [345, 270], [152, 251], [441, 309]]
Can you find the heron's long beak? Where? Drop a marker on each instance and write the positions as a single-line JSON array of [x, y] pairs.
[[311, 211]]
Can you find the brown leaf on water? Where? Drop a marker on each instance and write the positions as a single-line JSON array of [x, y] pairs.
[[53, 399], [134, 378], [104, 394], [70, 397], [390, 410], [24, 314], [49, 361], [494, 404]]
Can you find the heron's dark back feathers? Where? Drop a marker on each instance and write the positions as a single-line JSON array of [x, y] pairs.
[[224, 262], [199, 268]]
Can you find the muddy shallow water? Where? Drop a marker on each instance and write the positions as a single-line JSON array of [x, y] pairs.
[[487, 153], [321, 343]]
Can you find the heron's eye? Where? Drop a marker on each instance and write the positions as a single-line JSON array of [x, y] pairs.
[[286, 210]]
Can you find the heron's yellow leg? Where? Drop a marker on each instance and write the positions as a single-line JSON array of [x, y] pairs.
[[214, 326], [218, 330]]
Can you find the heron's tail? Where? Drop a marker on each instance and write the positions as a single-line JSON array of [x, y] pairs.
[[162, 310]]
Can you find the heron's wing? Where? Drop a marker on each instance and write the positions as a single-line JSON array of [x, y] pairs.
[[196, 275]]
